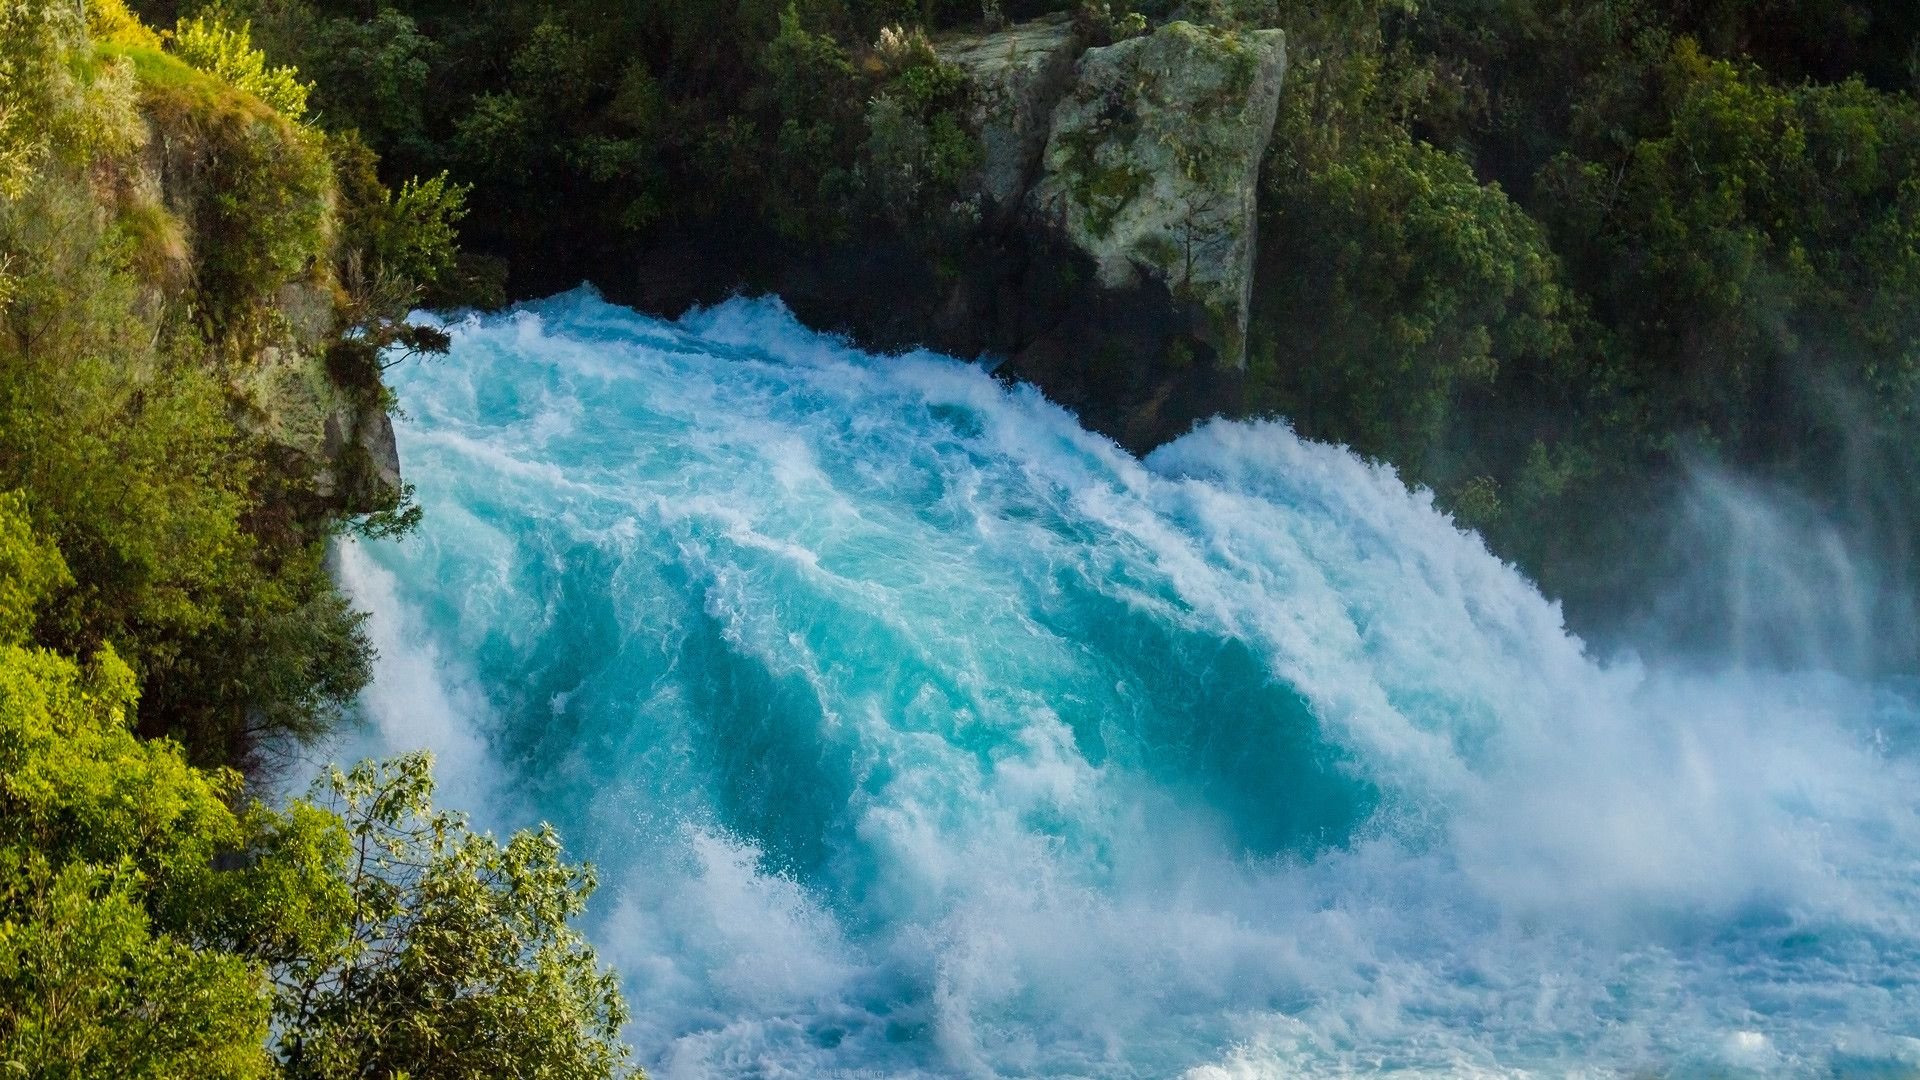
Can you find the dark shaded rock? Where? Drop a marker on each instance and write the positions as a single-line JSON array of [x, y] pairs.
[[1127, 305]]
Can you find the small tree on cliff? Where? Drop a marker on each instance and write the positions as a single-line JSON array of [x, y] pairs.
[[454, 958]]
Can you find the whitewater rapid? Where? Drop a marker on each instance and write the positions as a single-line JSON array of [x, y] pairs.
[[917, 731]]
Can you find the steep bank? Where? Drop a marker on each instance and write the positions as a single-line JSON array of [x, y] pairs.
[[240, 211], [192, 284], [195, 286], [1108, 234]]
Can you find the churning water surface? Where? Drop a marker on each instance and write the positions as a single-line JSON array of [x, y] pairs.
[[917, 731]]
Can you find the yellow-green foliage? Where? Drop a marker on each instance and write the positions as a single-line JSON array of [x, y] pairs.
[[35, 87], [150, 929], [115, 417], [134, 464], [156, 243], [227, 53], [29, 569], [417, 239], [462, 966], [130, 457], [106, 866], [109, 21], [259, 186], [152, 924], [256, 179], [56, 100]]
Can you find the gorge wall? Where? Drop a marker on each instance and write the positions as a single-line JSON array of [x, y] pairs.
[[1110, 258], [243, 227]]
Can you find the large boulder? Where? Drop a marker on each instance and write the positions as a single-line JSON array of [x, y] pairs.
[[1152, 167], [1017, 75]]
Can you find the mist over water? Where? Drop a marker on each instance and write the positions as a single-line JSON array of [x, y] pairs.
[[1763, 578], [917, 731]]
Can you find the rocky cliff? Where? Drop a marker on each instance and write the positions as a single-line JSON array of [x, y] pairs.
[[245, 204], [1148, 175], [1112, 259], [1148, 162]]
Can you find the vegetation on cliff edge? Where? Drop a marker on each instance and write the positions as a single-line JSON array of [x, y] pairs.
[[191, 274]]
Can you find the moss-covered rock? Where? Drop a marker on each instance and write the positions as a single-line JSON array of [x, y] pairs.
[[1017, 76], [234, 205], [1152, 166]]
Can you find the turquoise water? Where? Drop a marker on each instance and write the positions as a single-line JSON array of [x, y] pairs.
[[917, 731]]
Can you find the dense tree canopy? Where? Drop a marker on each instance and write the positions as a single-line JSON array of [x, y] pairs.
[[153, 923]]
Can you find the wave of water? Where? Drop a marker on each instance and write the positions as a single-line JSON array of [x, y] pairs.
[[915, 730]]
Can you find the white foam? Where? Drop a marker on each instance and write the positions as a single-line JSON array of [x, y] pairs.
[[914, 584]]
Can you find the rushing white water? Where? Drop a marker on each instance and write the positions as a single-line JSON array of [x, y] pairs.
[[916, 730]]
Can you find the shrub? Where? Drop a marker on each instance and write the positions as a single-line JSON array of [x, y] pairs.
[[227, 53]]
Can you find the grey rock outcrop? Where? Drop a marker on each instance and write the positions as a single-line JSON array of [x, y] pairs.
[[1111, 263], [1143, 156], [1017, 76], [1152, 167]]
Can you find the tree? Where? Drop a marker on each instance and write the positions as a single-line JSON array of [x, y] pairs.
[[1396, 286], [457, 959], [106, 852], [227, 53], [148, 928]]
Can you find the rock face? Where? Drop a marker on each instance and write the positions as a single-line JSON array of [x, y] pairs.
[[341, 440], [279, 383], [1113, 257], [1017, 75], [1152, 167]]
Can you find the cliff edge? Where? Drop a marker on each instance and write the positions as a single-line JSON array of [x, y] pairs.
[[1107, 246]]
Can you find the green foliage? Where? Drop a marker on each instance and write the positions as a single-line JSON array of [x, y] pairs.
[[406, 241], [416, 237], [371, 76], [399, 247], [115, 417], [1824, 40], [56, 112], [578, 126], [1476, 503], [94, 990], [1424, 283], [918, 151], [150, 929], [395, 939], [227, 53], [456, 959], [30, 570], [281, 656], [1549, 251], [1753, 232], [153, 923], [106, 845], [110, 22], [811, 99], [34, 88], [131, 461], [260, 188], [1105, 21]]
